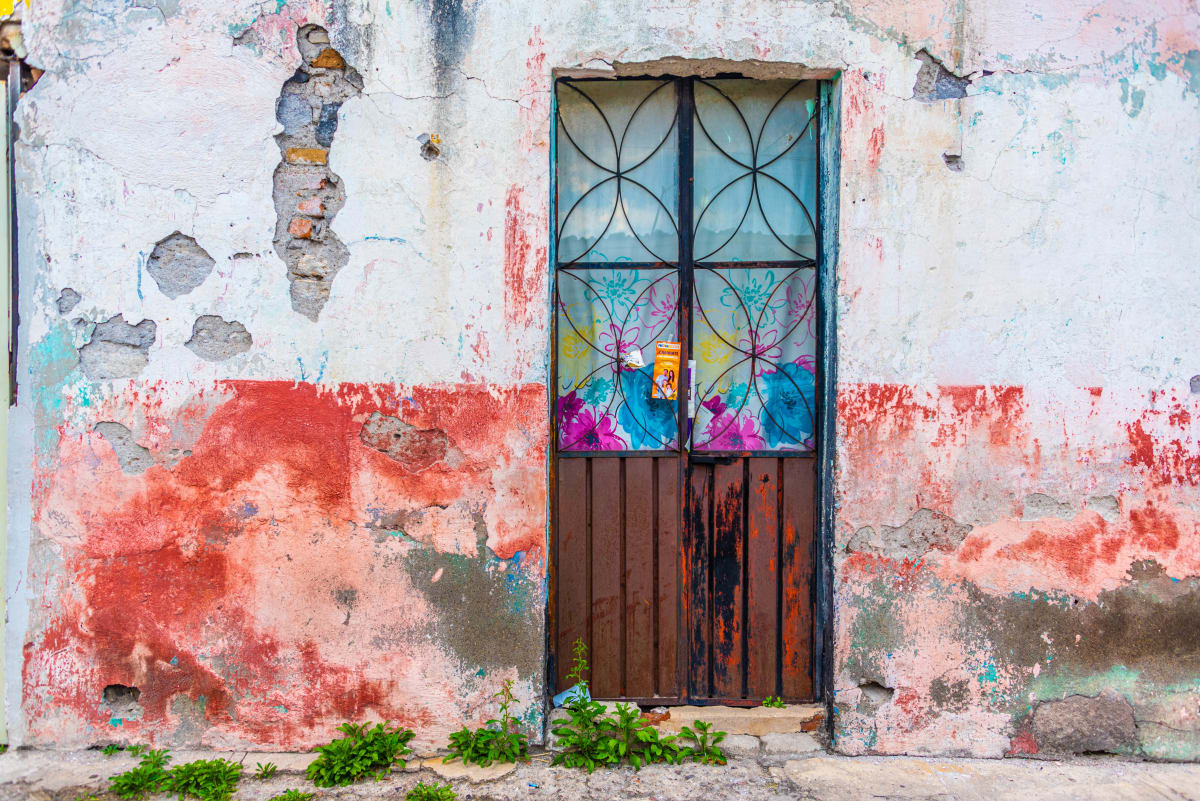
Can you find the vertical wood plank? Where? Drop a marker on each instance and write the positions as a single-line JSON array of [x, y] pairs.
[[668, 559], [570, 571], [605, 652], [695, 578], [762, 571], [639, 577], [799, 520], [728, 625]]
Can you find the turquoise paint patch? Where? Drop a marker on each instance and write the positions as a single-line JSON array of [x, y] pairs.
[[1132, 98], [116, 722], [1191, 65]]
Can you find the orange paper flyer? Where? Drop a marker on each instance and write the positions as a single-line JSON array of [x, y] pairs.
[[666, 371]]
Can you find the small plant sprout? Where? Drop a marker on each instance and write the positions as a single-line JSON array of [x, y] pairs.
[[266, 771], [112, 748], [431, 792], [774, 702], [292, 795]]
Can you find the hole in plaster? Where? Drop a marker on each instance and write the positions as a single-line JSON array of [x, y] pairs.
[[122, 701], [935, 82], [215, 339], [429, 147], [953, 163], [178, 265], [133, 458], [874, 694], [67, 300], [117, 349], [1195, 385]]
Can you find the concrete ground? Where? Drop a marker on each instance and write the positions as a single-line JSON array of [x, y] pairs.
[[68, 776]]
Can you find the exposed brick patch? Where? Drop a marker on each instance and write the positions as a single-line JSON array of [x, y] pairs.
[[308, 195]]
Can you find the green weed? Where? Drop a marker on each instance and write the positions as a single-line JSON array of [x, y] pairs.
[[365, 751], [205, 779], [498, 741], [112, 748], [292, 795], [431, 792], [266, 771], [704, 743], [149, 777], [774, 702]]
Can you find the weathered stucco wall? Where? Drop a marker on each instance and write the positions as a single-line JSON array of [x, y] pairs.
[[337, 508]]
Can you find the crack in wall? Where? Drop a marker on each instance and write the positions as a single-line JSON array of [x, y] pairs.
[[307, 193]]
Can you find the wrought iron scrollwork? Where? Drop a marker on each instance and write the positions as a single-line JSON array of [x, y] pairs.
[[622, 166], [754, 162]]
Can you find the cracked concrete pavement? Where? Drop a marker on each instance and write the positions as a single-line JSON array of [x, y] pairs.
[[68, 776]]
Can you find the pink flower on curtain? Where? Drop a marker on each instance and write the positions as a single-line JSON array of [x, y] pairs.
[[763, 344], [729, 434], [807, 362], [614, 342], [587, 432]]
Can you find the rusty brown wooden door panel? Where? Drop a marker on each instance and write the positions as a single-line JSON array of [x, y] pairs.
[[617, 581], [750, 539]]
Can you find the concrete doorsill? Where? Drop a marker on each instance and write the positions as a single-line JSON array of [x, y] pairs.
[[756, 721]]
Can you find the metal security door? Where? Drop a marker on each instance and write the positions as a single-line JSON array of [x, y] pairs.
[[683, 529]]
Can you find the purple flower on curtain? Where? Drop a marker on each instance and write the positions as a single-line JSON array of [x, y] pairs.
[[569, 406], [587, 432], [715, 405], [729, 434]]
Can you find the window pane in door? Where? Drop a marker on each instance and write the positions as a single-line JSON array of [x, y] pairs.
[[604, 317], [754, 342], [755, 170], [617, 164]]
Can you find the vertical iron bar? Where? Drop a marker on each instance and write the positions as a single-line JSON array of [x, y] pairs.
[[12, 96]]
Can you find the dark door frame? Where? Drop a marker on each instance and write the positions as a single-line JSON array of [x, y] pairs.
[[828, 191]]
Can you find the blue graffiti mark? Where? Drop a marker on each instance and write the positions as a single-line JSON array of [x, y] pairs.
[[381, 238], [115, 722], [141, 262], [320, 371], [175, 661]]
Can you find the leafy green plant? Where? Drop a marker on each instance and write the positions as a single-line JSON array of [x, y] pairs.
[[138, 750], [431, 792], [292, 795], [365, 751], [112, 748], [704, 744], [150, 776], [498, 741], [266, 771], [205, 779], [774, 702]]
